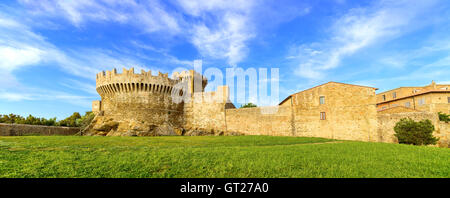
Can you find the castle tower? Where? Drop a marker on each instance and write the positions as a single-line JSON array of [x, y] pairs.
[[139, 104], [195, 81]]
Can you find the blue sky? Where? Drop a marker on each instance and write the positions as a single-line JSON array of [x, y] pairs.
[[50, 50]]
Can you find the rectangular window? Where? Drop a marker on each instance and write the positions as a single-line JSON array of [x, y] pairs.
[[322, 116], [448, 98], [421, 101], [322, 99], [394, 95], [407, 104], [384, 97]]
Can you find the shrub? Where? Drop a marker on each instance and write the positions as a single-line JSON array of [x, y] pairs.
[[85, 120], [75, 120], [409, 131], [248, 105], [444, 117], [49, 122], [70, 121]]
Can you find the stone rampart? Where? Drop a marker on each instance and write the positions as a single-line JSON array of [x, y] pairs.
[[25, 129]]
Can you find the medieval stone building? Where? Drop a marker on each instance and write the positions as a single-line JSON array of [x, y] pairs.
[[145, 105], [431, 98]]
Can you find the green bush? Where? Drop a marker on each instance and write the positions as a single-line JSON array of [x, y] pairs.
[[11, 118], [84, 121], [409, 131], [444, 117], [248, 105], [70, 121], [75, 120]]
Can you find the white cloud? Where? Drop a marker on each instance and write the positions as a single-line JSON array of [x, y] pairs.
[[40, 94], [219, 29], [14, 96], [21, 47], [227, 41], [224, 38], [149, 15], [79, 85], [168, 58], [224, 28], [359, 28], [18, 45], [201, 7], [12, 58]]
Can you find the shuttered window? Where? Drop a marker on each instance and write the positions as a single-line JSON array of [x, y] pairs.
[[322, 115]]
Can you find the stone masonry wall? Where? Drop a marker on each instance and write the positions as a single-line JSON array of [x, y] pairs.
[[136, 104], [206, 111], [397, 109], [444, 134], [24, 129], [350, 112], [386, 123], [253, 121]]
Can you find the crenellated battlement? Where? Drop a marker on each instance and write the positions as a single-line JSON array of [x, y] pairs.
[[108, 82], [142, 104], [106, 77]]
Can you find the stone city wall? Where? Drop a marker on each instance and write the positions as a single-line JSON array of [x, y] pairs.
[[386, 123], [444, 134], [397, 109], [206, 111], [260, 121], [24, 129]]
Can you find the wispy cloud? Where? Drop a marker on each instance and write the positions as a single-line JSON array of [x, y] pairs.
[[21, 47], [224, 28], [218, 29], [46, 95], [357, 29], [151, 15], [79, 85]]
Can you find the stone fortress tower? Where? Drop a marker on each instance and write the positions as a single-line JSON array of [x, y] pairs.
[[141, 104]]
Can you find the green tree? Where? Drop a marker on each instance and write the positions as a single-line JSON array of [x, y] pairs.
[[70, 121], [49, 122], [32, 120], [16, 119], [409, 131], [248, 105], [84, 121], [444, 117]]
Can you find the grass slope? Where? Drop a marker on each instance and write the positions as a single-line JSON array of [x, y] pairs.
[[222, 156]]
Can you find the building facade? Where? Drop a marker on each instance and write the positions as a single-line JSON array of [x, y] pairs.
[[431, 98], [334, 110]]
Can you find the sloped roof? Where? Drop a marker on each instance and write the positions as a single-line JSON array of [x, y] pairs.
[[412, 95], [323, 85]]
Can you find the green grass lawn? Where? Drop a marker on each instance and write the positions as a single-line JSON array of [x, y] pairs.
[[215, 156]]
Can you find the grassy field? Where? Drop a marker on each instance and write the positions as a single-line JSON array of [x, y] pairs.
[[221, 156]]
